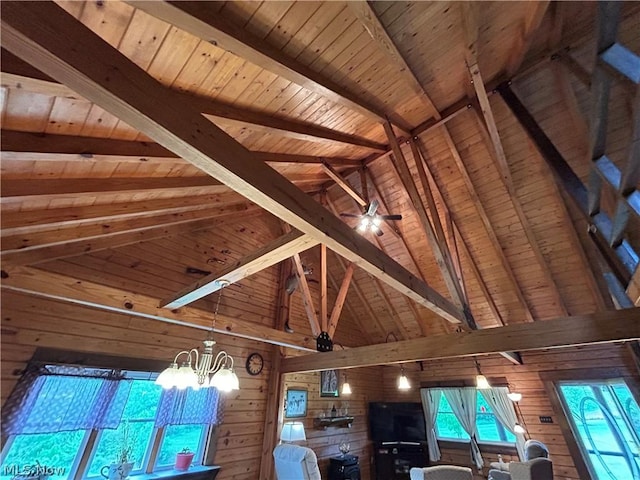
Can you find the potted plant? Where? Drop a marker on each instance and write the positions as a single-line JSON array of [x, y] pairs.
[[184, 459], [124, 461]]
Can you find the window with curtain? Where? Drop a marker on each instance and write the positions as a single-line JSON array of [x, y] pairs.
[[605, 420], [488, 428], [71, 420]]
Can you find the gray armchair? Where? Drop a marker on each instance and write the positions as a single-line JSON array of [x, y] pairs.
[[536, 467]]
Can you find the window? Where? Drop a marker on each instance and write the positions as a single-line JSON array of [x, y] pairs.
[[488, 427], [605, 420], [158, 423]]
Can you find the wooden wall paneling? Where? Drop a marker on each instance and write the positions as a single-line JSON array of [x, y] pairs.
[[531, 24], [492, 136], [527, 379], [481, 212], [32, 322], [197, 21]]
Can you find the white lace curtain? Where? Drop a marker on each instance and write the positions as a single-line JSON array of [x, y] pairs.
[[503, 409], [463, 403], [430, 403]]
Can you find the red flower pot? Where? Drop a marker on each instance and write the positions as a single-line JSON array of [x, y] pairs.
[[183, 461]]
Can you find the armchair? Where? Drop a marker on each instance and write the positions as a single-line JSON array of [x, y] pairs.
[[294, 462], [536, 466], [441, 472]]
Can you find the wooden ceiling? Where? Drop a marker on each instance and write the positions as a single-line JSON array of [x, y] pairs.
[[307, 87]]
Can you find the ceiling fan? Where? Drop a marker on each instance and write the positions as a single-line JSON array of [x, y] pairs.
[[370, 220]]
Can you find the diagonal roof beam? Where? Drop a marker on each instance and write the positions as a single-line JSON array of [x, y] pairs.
[[199, 20], [55, 245], [28, 78], [372, 24], [602, 327], [274, 252], [344, 184], [41, 283], [49, 147], [49, 40]]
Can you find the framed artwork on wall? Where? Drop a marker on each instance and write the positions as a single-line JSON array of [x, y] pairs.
[[329, 383], [295, 403]]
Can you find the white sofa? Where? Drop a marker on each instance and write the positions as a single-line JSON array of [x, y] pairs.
[[536, 467], [294, 462], [441, 472]]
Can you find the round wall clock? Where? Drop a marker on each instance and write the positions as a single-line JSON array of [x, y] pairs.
[[255, 364]]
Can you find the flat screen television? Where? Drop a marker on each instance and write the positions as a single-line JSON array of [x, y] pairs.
[[397, 422]]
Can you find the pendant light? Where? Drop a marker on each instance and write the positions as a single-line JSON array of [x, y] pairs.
[[198, 366], [403, 381], [481, 381], [346, 388]]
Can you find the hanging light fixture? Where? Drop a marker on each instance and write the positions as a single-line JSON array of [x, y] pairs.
[[346, 388], [196, 368], [403, 381], [481, 381]]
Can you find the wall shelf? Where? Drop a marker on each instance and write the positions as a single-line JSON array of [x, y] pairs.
[[339, 422]]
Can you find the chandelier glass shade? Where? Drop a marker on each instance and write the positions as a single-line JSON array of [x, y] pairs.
[[201, 369]]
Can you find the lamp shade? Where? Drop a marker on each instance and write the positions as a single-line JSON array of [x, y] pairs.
[[482, 383], [403, 382], [517, 428], [514, 396], [292, 432], [346, 388]]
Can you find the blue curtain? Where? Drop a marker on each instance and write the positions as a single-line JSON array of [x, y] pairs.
[[63, 398], [189, 407]]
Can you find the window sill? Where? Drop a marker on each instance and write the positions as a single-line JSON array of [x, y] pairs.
[[199, 472], [503, 448]]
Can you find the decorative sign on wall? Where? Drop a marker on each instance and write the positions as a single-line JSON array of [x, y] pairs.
[[329, 383], [296, 403]]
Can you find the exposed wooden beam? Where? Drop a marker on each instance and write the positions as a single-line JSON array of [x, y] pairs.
[[199, 20], [343, 184], [532, 21], [89, 294], [18, 187], [324, 317], [372, 24], [274, 252], [219, 112], [363, 328], [621, 259], [273, 416], [29, 146], [49, 41], [602, 327], [18, 238], [14, 222], [438, 251], [71, 248], [484, 217], [307, 299], [507, 180], [340, 299]]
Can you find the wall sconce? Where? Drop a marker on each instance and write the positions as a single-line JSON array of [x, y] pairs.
[[481, 381], [514, 396], [346, 388], [403, 381]]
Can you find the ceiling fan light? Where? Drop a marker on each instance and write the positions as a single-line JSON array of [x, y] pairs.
[[376, 221]]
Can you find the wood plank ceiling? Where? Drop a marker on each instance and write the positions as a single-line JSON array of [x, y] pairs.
[[87, 196]]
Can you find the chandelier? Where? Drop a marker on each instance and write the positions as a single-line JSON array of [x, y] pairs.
[[196, 368]]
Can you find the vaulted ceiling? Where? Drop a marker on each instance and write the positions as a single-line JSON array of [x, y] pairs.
[[308, 87]]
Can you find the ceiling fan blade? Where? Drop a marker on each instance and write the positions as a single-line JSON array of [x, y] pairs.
[[350, 215], [390, 217], [373, 206]]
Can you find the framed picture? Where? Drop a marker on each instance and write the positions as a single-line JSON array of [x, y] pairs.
[[329, 384], [295, 403]]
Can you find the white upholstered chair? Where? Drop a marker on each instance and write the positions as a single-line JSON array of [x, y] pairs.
[[294, 462], [441, 472]]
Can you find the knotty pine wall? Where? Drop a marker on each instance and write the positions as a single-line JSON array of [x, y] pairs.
[[29, 322], [366, 387], [525, 379]]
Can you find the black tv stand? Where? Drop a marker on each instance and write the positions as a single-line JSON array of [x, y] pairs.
[[393, 460]]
